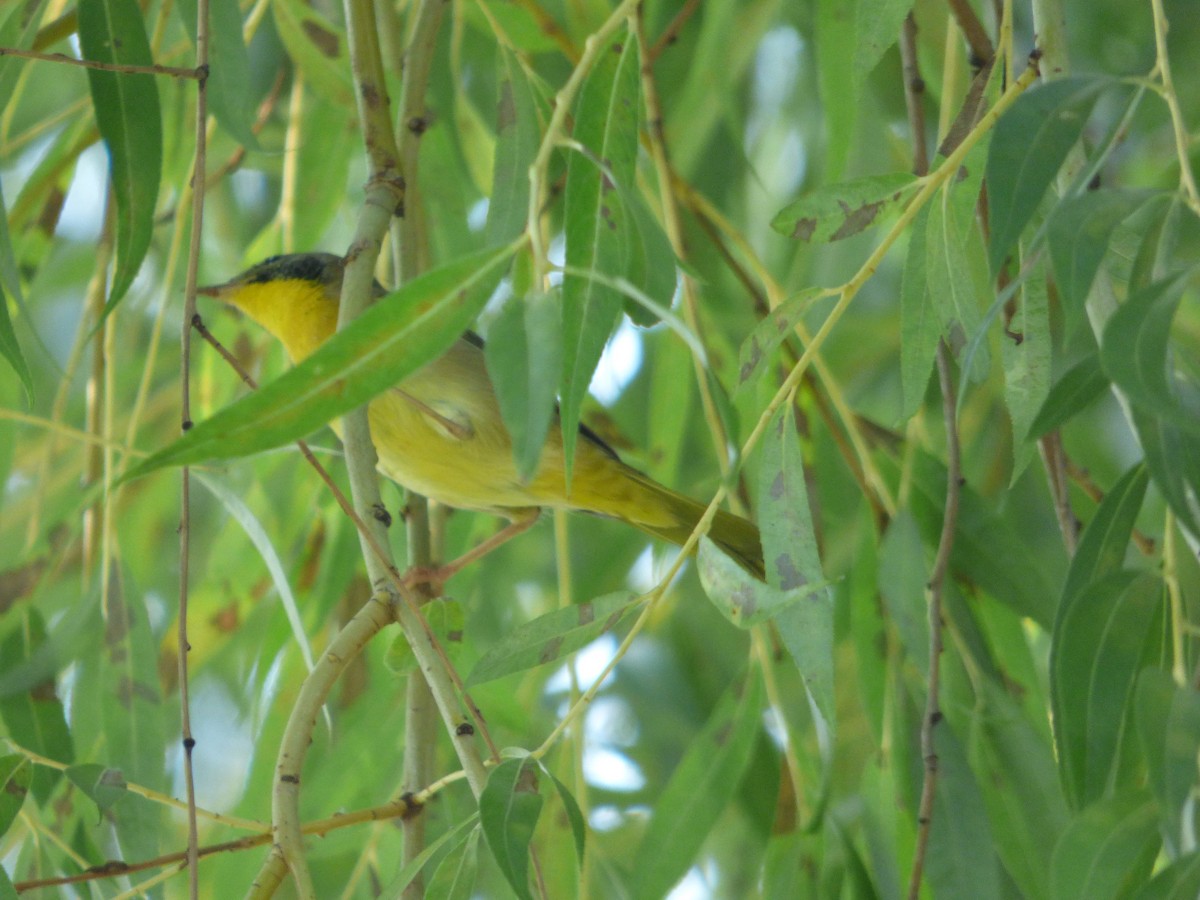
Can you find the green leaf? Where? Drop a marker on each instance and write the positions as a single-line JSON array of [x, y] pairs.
[[1096, 651], [16, 773], [1107, 851], [1029, 145], [920, 318], [391, 339], [475, 139], [877, 25], [517, 139], [240, 512], [758, 349], [552, 636], [454, 877], [9, 348], [574, 816], [1105, 543], [903, 580], [984, 544], [836, 21], [318, 47], [1168, 722], [743, 599], [228, 67], [1178, 880], [1077, 389], [103, 785], [599, 233], [1077, 234], [1136, 353], [837, 211], [446, 844], [950, 282], [1173, 457], [1027, 362], [962, 860], [35, 718], [18, 31], [523, 354], [328, 139], [508, 810], [128, 115], [789, 539], [701, 787], [7, 890], [1016, 772], [652, 264]]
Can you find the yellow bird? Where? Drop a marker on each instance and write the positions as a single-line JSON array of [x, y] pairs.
[[440, 431]]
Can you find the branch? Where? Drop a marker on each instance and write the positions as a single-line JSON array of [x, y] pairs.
[[941, 566], [197, 74]]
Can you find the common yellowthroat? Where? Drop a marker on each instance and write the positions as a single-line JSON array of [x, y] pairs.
[[440, 431]]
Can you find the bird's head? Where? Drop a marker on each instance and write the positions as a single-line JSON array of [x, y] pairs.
[[294, 297]]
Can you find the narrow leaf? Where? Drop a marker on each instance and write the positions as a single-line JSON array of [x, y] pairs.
[[241, 513], [508, 810], [1077, 235], [1077, 389], [1108, 850], [838, 211], [1096, 652], [1173, 457], [1105, 542], [702, 785], [127, 112], [228, 67], [1029, 145], [389, 341], [16, 773], [318, 47], [920, 319], [1026, 361], [552, 636], [1136, 353], [597, 226], [103, 785], [517, 138], [523, 354], [758, 349]]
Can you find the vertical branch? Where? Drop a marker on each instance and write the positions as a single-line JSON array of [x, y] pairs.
[[914, 95], [189, 310], [913, 89], [937, 579], [420, 717]]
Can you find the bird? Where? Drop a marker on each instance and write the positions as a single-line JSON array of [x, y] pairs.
[[440, 432]]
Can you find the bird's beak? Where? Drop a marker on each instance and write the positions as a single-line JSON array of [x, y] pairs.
[[211, 290]]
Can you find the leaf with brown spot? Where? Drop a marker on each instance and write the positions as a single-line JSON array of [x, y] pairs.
[[552, 636], [758, 349], [837, 211]]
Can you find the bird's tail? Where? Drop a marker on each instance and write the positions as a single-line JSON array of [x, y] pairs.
[[665, 514]]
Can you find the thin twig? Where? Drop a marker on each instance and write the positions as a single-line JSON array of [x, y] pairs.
[[420, 708], [189, 310], [937, 579], [973, 31], [174, 71], [1187, 181], [671, 32], [1053, 461], [914, 94], [402, 808]]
